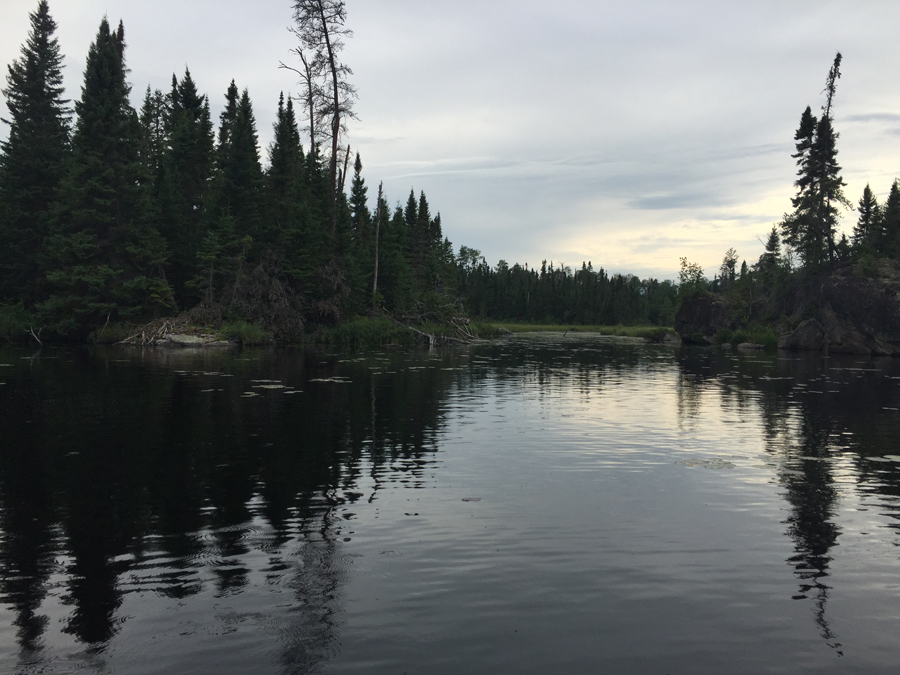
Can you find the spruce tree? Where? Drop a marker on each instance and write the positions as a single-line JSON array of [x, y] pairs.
[[362, 251], [284, 177], [154, 116], [187, 170], [890, 222], [867, 231], [811, 228], [104, 259], [235, 201], [32, 161], [240, 178], [800, 230]]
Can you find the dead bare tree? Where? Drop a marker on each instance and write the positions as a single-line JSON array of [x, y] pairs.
[[320, 28], [309, 79]]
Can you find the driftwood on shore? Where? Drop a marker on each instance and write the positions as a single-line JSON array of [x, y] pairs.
[[457, 326], [172, 332]]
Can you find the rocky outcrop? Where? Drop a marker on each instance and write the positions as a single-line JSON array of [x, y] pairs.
[[851, 313], [702, 317], [810, 334], [837, 311]]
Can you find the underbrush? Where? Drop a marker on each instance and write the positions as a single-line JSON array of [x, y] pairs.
[[15, 324], [245, 333], [111, 333], [364, 332]]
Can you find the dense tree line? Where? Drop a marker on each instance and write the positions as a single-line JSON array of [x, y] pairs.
[[559, 295], [123, 215], [118, 215]]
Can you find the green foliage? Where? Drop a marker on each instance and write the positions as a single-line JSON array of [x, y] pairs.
[[690, 280], [33, 157], [559, 295], [811, 228], [245, 333], [367, 332], [867, 266], [15, 323], [890, 222], [182, 183], [111, 333], [104, 258], [867, 231]]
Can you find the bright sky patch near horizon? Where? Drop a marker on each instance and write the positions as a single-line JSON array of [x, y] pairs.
[[625, 134]]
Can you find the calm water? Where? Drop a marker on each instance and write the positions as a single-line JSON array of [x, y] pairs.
[[546, 504]]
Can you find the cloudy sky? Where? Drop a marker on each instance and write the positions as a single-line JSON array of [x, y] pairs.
[[625, 133]]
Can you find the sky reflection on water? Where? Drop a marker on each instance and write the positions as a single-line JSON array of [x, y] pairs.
[[541, 504]]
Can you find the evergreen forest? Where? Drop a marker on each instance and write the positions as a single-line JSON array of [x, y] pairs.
[[805, 245], [114, 215]]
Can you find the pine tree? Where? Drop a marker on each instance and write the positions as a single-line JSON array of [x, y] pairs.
[[187, 169], [104, 258], [362, 250], [800, 228], [284, 177], [811, 228], [867, 231], [155, 115], [890, 222], [241, 172], [32, 161], [234, 207]]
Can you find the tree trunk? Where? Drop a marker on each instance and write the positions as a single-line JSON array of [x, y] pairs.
[[377, 228]]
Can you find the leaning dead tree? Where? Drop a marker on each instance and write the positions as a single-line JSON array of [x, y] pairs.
[[319, 26]]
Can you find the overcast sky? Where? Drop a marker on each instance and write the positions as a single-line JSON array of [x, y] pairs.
[[625, 133]]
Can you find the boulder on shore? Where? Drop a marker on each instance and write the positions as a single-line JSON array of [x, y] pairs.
[[704, 315]]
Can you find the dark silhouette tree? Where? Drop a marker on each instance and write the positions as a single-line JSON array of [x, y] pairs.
[[104, 259], [187, 170], [890, 222], [33, 157], [810, 229], [867, 231]]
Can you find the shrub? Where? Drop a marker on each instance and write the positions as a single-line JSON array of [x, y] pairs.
[[110, 333], [15, 322], [245, 333], [867, 266], [723, 335]]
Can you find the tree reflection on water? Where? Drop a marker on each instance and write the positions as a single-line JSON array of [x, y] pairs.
[[174, 476], [820, 416], [170, 490]]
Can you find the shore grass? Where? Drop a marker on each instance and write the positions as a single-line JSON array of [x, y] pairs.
[[648, 332]]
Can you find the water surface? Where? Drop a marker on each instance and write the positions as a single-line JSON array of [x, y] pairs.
[[544, 504]]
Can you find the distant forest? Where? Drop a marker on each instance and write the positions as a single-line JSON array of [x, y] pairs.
[[113, 215]]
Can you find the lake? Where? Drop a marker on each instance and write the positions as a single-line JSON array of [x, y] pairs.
[[543, 504]]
